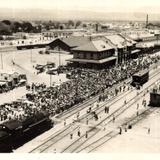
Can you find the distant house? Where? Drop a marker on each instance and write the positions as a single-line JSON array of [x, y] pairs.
[[58, 33], [141, 35]]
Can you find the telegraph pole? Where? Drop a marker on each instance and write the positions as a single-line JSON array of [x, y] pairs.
[[1, 61], [31, 55], [50, 80], [59, 56]]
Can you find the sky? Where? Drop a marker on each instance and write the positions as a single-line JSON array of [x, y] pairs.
[[71, 8]]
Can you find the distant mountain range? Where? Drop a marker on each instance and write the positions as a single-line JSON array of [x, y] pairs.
[[42, 14]]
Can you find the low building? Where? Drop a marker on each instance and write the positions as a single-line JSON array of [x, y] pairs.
[[94, 54], [58, 33], [97, 50], [140, 35], [67, 44]]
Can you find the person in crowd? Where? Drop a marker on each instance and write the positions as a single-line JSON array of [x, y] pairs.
[[90, 82]]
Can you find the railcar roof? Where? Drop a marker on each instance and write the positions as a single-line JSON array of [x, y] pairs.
[[141, 73], [12, 124]]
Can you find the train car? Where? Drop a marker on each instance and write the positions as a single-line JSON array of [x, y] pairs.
[[15, 133], [4, 140], [140, 78]]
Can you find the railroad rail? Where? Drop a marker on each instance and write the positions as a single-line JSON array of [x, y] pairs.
[[73, 110], [92, 132], [81, 141], [112, 134]]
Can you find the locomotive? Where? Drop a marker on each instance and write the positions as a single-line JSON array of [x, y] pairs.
[[14, 133]]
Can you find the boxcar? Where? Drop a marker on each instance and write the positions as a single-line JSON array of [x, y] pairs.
[[140, 78]]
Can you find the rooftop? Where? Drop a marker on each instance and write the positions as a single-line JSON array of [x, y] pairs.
[[75, 41], [95, 46], [119, 40], [143, 72]]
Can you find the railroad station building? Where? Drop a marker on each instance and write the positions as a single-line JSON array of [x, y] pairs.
[[125, 48], [94, 54], [97, 50]]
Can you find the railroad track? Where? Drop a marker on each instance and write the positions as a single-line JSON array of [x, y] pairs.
[[112, 134], [101, 109], [54, 138], [89, 102], [73, 110], [76, 146], [81, 141], [73, 147]]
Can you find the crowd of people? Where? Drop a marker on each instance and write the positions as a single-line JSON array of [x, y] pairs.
[[83, 84]]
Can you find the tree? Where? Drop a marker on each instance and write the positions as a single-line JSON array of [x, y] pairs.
[[27, 27], [5, 29], [17, 27], [78, 23], [57, 25], [7, 22], [61, 27], [39, 28], [84, 25], [70, 23]]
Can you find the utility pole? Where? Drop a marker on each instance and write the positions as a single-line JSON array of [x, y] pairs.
[[59, 56], [50, 80], [31, 55], [157, 38], [1, 61]]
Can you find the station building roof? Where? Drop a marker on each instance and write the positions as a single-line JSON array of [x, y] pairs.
[[75, 41], [94, 46], [141, 73], [93, 43]]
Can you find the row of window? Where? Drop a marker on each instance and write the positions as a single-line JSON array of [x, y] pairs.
[[95, 56]]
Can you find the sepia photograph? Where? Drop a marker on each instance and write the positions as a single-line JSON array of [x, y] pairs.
[[79, 77]]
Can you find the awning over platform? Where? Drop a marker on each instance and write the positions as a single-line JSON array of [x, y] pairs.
[[135, 51], [92, 61]]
